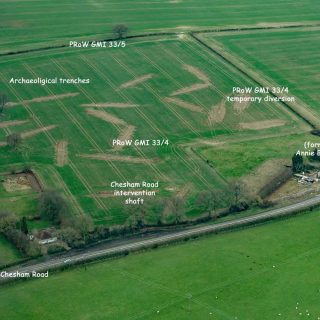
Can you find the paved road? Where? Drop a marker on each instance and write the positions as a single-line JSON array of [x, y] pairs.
[[95, 253]]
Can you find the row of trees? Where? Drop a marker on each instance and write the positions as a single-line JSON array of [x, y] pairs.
[[173, 210], [298, 164], [16, 231]]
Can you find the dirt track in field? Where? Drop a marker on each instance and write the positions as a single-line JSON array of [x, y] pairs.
[[7, 124], [61, 149], [197, 72], [217, 113], [260, 125], [125, 134], [106, 117], [185, 105], [44, 99], [112, 157], [31, 133], [136, 81], [194, 87], [110, 105]]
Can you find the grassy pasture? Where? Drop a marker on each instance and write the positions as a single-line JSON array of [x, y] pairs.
[[236, 159], [25, 24], [8, 253], [286, 58], [256, 273], [154, 118]]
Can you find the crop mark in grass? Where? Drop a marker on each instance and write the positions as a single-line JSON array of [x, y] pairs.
[[112, 157], [31, 133], [217, 113], [125, 134], [197, 72], [192, 88], [260, 125], [106, 117], [52, 140], [61, 150], [44, 99], [110, 105], [185, 105], [7, 124], [136, 81], [240, 107]]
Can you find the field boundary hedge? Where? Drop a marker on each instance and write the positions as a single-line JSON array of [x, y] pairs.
[[157, 34], [304, 117]]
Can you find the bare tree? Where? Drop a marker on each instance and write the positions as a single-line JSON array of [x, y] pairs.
[[136, 216], [177, 207], [208, 201], [120, 31], [85, 225], [240, 196]]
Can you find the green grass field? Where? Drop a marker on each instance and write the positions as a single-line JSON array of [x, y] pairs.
[[176, 168], [8, 253], [25, 24], [285, 58], [236, 159], [257, 273]]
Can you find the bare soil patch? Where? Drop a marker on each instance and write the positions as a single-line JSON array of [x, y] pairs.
[[61, 149], [239, 107], [136, 81], [185, 105], [106, 117], [31, 133], [292, 190], [194, 87], [125, 134], [7, 124], [110, 105], [271, 172], [21, 182], [217, 113], [260, 125], [197, 72], [112, 157], [44, 99]]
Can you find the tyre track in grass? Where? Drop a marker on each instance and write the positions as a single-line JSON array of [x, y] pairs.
[[140, 112], [154, 93], [309, 119], [173, 33], [228, 73], [196, 99], [184, 161], [176, 148], [79, 125], [71, 164], [50, 138]]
